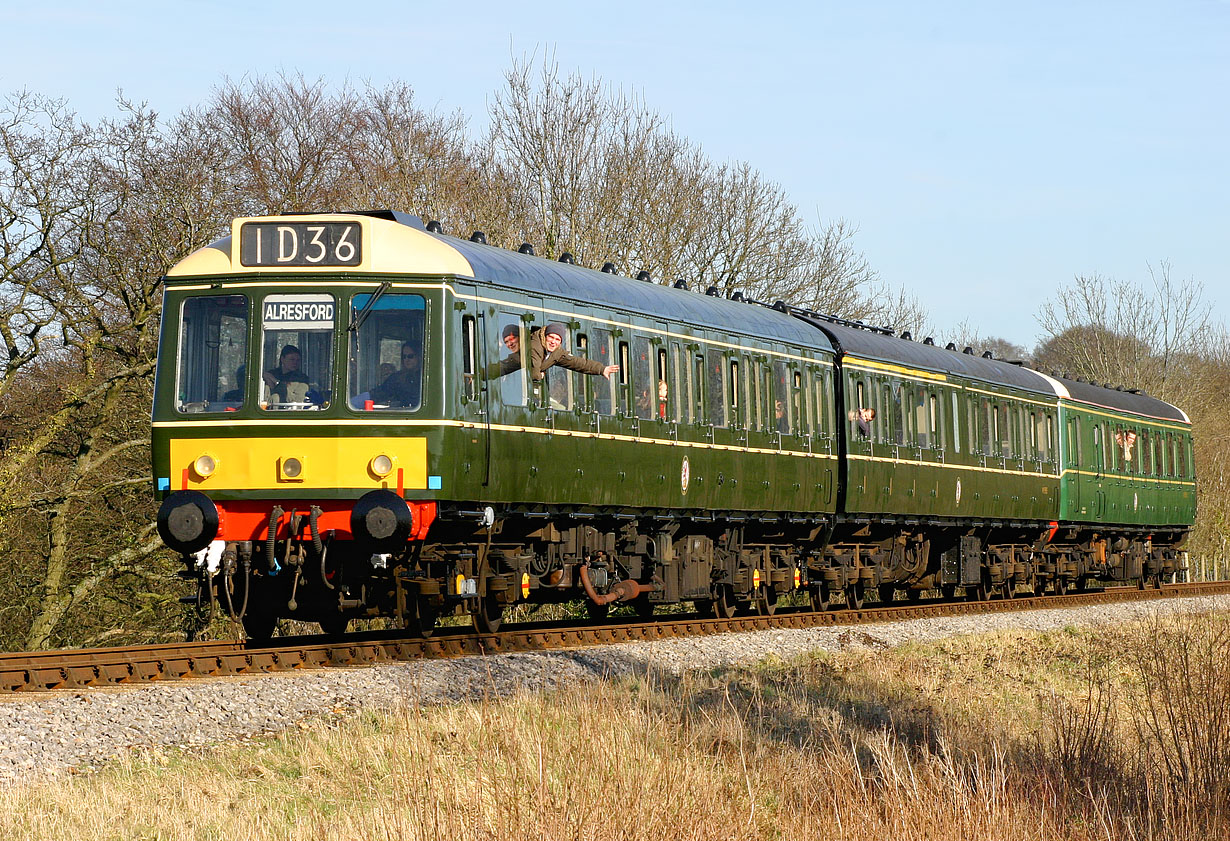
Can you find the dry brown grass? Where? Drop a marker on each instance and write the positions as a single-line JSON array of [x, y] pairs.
[[1068, 735]]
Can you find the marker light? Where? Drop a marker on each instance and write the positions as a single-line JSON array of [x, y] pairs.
[[291, 468], [205, 465], [382, 465]]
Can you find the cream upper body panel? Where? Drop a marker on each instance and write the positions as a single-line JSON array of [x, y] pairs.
[[388, 247]]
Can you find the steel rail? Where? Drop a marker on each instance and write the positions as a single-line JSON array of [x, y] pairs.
[[79, 669]]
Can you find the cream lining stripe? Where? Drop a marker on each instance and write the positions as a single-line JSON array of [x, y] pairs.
[[533, 430]]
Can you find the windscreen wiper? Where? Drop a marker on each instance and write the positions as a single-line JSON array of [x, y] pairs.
[[358, 320]]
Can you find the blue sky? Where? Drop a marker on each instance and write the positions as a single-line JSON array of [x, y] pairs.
[[987, 151]]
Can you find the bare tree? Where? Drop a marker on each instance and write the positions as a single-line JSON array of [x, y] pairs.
[[1115, 331]]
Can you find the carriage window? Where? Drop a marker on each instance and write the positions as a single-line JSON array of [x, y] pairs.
[[600, 349], [956, 424], [213, 352], [809, 408], [511, 353], [717, 387], [735, 402], [297, 350], [663, 387], [681, 399], [782, 421], [933, 415], [990, 430], [821, 397], [469, 355], [1146, 453], [1003, 425], [643, 384], [696, 388], [922, 420], [558, 381], [625, 380], [797, 404]]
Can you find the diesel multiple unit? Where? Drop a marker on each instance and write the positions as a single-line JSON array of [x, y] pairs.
[[356, 415]]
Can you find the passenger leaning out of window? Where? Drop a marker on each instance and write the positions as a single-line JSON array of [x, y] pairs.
[[546, 348]]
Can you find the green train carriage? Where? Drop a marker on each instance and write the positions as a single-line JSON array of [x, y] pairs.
[[693, 474], [970, 474]]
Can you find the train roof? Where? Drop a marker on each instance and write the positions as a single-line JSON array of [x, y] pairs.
[[538, 275], [1137, 403], [883, 347], [871, 344]]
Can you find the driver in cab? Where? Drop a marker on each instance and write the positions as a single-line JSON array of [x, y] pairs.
[[287, 383]]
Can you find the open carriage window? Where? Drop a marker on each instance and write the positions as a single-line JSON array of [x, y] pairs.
[[213, 352]]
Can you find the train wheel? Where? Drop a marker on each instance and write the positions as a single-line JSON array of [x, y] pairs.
[[821, 598], [1061, 586], [597, 612], [1157, 581], [856, 594], [488, 615], [643, 606], [887, 591], [766, 600], [704, 607], [1007, 590], [724, 604], [335, 625], [949, 592]]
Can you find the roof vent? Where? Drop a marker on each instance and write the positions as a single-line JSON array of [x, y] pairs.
[[780, 306], [986, 354], [567, 258], [478, 236], [950, 346], [712, 292], [968, 350], [738, 297], [526, 248], [645, 276], [907, 335], [435, 227], [681, 284], [609, 268], [928, 341]]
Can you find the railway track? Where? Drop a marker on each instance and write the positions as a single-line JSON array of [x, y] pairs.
[[58, 670]]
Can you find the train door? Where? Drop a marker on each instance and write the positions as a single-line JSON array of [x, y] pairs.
[[475, 399], [1072, 464], [1099, 468]]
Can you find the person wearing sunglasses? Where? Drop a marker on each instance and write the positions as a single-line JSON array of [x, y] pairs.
[[402, 388]]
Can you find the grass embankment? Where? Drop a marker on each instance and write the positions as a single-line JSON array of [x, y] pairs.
[[1120, 733]]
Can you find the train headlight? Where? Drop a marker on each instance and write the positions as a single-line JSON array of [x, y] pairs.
[[205, 465], [290, 469], [381, 465]]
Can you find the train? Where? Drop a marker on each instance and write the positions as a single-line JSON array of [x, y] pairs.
[[358, 416]]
